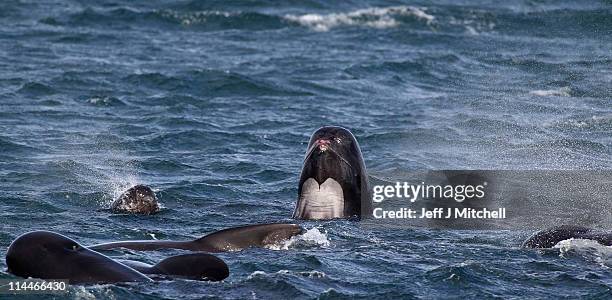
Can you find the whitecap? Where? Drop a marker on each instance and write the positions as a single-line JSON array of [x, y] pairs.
[[256, 274], [311, 238], [561, 92], [587, 248], [192, 18], [79, 292], [309, 274], [470, 30], [375, 17]]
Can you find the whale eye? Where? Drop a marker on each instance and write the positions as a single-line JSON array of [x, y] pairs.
[[75, 247], [338, 140]]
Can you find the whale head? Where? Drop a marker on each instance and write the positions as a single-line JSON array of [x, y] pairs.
[[49, 255], [333, 183], [139, 199]]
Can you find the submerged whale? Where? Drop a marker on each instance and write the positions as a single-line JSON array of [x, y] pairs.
[[333, 182], [548, 238], [139, 199], [231, 239], [49, 255]]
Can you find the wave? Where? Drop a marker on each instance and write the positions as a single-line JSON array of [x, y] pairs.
[[36, 89], [9, 147], [429, 70], [460, 273], [199, 5], [167, 18], [560, 92], [311, 238], [593, 123], [264, 15], [104, 101], [589, 249], [209, 83], [222, 20], [374, 17], [308, 274]]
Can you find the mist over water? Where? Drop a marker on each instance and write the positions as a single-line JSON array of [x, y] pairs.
[[212, 104]]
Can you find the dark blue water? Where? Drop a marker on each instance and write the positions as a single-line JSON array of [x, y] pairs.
[[212, 103]]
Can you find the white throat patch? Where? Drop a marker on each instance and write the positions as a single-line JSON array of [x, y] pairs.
[[325, 201]]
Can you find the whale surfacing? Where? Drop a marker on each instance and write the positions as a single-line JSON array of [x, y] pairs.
[[333, 183], [231, 239], [550, 237], [139, 199]]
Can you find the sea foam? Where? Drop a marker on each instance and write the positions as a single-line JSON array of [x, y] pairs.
[[561, 92], [587, 248], [312, 237], [375, 17]]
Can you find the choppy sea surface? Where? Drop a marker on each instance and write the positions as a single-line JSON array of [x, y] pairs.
[[212, 103]]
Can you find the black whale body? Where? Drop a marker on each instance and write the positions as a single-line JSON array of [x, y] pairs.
[[548, 238], [139, 199], [333, 183], [231, 239], [49, 255]]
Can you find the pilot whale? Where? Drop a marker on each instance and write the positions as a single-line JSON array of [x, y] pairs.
[[139, 199], [195, 266], [333, 182], [548, 238], [231, 239], [50, 255]]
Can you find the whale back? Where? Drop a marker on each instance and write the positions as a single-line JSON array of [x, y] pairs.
[[238, 238], [548, 238], [231, 239], [195, 266], [200, 266]]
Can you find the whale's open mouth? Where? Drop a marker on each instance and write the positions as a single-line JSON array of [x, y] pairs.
[[332, 182], [321, 191]]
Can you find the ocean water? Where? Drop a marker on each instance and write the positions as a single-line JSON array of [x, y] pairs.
[[212, 103]]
